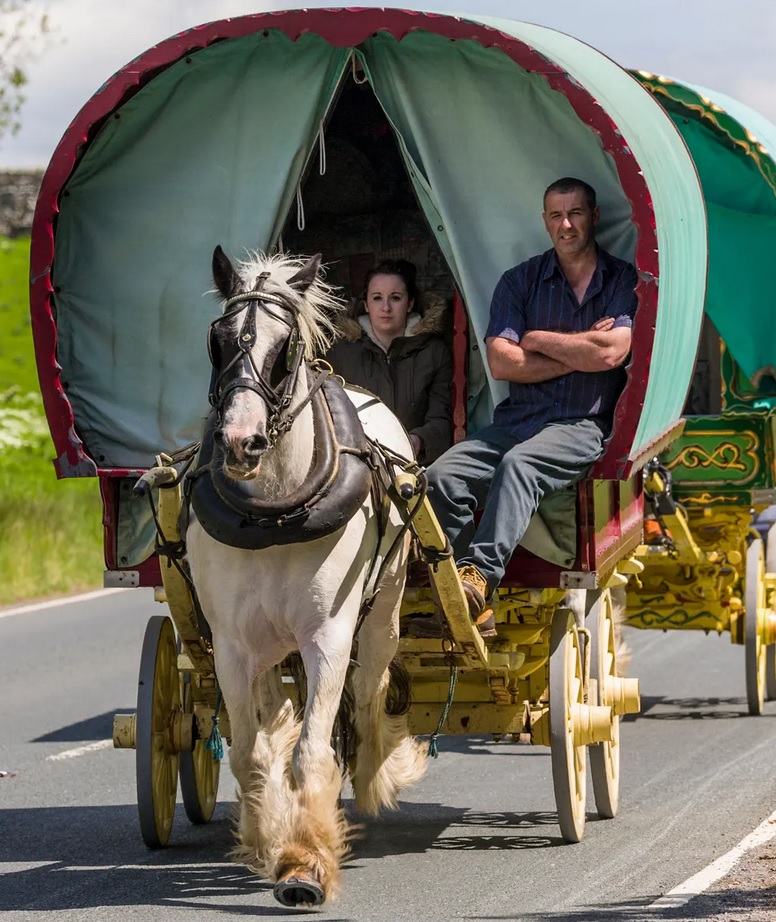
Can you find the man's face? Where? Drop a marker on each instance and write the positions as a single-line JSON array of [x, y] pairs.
[[570, 222]]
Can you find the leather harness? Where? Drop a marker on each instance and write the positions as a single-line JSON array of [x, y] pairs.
[[347, 464]]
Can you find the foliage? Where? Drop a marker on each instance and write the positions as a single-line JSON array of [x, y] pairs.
[[17, 363], [20, 29], [50, 529]]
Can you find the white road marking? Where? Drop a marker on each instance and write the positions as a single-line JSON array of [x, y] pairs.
[[154, 864], [80, 751], [53, 603], [18, 867], [701, 881]]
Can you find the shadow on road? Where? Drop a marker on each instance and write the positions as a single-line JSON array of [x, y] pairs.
[[690, 709], [486, 745], [421, 827], [83, 857], [99, 727]]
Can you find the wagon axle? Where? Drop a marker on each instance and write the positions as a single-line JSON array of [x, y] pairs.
[[180, 736]]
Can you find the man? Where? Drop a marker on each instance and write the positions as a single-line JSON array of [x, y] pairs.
[[559, 333]]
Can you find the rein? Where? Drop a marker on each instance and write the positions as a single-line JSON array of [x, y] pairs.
[[278, 399]]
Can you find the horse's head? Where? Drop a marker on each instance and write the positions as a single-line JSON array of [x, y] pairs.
[[274, 317]]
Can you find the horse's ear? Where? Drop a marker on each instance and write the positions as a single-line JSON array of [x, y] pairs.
[[306, 275], [223, 273]]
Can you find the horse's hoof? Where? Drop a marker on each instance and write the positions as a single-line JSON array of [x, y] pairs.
[[299, 891]]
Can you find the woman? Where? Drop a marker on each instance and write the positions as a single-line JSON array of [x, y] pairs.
[[400, 356]]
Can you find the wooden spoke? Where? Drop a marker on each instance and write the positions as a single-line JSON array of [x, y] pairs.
[[754, 626], [604, 757], [199, 771], [566, 693], [158, 702], [770, 651]]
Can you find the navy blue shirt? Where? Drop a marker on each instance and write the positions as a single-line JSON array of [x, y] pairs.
[[537, 296]]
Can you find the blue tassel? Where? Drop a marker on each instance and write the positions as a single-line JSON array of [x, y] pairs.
[[215, 742], [433, 746]]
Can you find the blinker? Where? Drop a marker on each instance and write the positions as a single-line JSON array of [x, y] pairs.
[[292, 349]]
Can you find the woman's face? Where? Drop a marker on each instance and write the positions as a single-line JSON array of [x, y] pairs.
[[388, 304]]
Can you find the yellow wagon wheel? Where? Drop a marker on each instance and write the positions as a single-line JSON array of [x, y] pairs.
[[754, 626], [199, 771], [770, 651], [158, 704], [604, 757], [569, 764]]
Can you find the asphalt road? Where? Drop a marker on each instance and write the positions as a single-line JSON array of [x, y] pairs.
[[477, 839]]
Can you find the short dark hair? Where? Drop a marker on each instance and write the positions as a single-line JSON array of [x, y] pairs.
[[406, 271], [570, 184]]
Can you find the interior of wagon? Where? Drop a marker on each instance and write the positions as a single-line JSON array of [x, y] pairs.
[[356, 203]]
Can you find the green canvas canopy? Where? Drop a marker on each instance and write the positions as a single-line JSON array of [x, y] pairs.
[[206, 138], [732, 146]]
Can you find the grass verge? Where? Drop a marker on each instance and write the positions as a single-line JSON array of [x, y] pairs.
[[50, 530]]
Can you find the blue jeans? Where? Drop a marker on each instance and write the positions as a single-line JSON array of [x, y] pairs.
[[489, 471]]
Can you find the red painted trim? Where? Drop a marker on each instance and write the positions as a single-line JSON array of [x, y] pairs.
[[148, 570], [597, 551], [527, 571], [109, 491], [655, 447], [342, 28], [460, 366]]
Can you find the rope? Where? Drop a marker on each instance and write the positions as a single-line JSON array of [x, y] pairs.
[[299, 208], [215, 742], [433, 746], [321, 150], [354, 70]]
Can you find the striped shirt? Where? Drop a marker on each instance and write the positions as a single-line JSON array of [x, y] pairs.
[[537, 296]]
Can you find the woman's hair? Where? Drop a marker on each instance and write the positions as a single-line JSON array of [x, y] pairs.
[[406, 271]]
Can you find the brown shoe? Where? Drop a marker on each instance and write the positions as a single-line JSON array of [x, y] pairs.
[[486, 623], [475, 588]]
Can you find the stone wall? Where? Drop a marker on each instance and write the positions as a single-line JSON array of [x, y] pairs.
[[18, 192]]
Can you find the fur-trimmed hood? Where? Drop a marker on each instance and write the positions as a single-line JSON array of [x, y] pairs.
[[350, 328]]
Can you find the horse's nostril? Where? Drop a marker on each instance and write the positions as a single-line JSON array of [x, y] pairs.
[[254, 445]]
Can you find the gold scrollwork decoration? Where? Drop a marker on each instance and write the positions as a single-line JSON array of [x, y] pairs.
[[678, 618], [724, 457], [707, 499]]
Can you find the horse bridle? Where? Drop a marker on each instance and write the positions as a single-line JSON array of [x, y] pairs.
[[278, 399]]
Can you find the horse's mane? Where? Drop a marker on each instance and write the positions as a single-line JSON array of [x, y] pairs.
[[317, 307]]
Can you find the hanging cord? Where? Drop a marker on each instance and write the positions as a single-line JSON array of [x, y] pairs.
[[321, 150], [215, 742], [433, 746], [174, 551], [354, 70], [300, 223]]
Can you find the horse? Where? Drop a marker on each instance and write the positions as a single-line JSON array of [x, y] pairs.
[[264, 604]]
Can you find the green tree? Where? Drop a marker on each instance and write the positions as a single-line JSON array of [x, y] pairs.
[[23, 28]]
